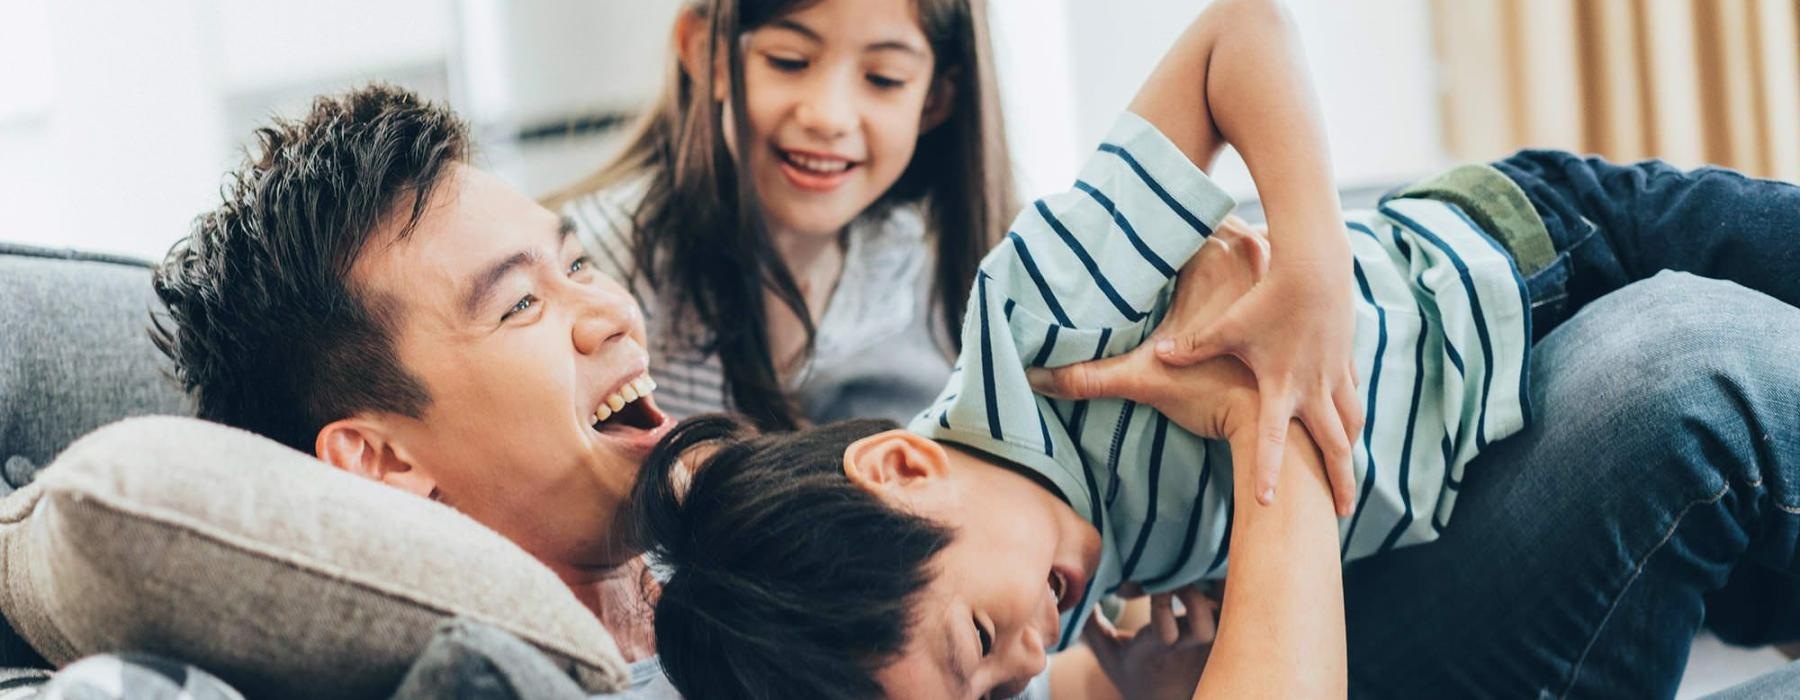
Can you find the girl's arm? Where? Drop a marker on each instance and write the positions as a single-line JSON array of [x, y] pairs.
[[1237, 76]]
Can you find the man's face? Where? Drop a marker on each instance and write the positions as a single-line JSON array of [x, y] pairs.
[[519, 343]]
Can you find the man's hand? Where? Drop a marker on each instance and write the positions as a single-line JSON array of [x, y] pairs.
[[1165, 658], [1214, 399], [1294, 329]]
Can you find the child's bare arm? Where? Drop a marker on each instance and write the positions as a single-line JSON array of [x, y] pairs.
[[1238, 76]]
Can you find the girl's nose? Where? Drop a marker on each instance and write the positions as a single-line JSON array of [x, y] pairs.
[[826, 113]]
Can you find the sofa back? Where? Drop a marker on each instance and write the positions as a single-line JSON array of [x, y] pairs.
[[74, 353]]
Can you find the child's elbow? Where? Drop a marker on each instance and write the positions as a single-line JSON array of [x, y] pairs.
[[1258, 15]]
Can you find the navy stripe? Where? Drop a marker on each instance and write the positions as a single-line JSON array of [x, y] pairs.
[[1100, 347], [1374, 391], [1087, 261], [1155, 481], [1161, 193], [1037, 278], [1007, 310], [1224, 538], [1120, 429], [1412, 422], [1043, 356], [1450, 484], [1481, 329], [1044, 428], [1193, 524], [1143, 248], [1524, 311], [987, 359], [944, 419], [1087, 591]]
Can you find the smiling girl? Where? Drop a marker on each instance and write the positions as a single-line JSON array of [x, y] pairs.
[[804, 207]]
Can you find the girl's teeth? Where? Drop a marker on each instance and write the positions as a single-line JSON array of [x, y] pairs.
[[602, 414], [630, 393], [615, 402]]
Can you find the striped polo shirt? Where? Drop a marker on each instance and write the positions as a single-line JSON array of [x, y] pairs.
[[1441, 343]]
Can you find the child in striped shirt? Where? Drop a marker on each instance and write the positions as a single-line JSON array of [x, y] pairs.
[[982, 535]]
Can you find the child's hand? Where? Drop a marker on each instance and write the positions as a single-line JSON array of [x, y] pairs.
[[1210, 399], [1294, 329], [1164, 659]]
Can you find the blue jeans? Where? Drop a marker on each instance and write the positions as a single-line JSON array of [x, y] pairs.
[[1662, 470]]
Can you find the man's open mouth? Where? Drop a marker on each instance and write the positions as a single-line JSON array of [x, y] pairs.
[[629, 408]]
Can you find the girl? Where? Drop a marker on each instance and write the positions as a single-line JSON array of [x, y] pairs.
[[802, 211]]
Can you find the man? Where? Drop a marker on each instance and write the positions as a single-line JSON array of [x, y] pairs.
[[365, 295]]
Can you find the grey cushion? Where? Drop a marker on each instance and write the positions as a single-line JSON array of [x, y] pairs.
[[282, 575], [76, 354]]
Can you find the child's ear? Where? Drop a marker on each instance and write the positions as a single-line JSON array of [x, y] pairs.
[[693, 34], [940, 101], [363, 446], [895, 462]]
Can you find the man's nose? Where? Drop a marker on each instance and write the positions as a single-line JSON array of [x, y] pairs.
[[601, 320]]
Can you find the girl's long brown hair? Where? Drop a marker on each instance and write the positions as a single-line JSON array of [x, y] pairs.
[[698, 237]]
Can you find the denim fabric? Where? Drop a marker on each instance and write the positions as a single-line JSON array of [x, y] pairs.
[[1616, 224], [1665, 454], [1662, 474]]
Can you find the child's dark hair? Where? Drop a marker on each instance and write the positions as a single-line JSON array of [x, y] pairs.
[[698, 235], [789, 581]]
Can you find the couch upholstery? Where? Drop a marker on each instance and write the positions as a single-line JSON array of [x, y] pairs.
[[74, 356]]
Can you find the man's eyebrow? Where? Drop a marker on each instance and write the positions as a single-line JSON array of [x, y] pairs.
[[484, 284]]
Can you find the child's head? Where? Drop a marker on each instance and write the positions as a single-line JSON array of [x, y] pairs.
[[854, 560], [792, 118]]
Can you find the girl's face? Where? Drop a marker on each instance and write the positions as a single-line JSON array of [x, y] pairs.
[[837, 94]]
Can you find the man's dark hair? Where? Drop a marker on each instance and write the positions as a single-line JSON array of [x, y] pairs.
[[789, 581], [265, 328]]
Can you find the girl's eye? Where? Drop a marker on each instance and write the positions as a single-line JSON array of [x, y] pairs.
[[524, 305], [885, 83], [580, 264], [787, 65], [987, 640]]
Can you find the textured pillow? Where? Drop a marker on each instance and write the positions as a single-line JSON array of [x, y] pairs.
[[280, 574]]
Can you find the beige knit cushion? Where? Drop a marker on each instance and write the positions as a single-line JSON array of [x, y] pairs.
[[278, 573]]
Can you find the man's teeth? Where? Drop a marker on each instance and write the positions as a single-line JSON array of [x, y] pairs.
[[632, 391], [819, 165]]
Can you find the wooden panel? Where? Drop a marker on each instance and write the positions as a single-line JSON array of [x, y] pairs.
[[1477, 78], [1674, 81], [1778, 27]]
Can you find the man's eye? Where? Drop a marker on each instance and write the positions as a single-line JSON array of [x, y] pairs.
[[787, 65], [524, 305], [987, 640], [581, 263]]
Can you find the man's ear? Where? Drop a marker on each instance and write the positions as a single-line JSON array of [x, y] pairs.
[[364, 447], [940, 102], [693, 34], [896, 463]]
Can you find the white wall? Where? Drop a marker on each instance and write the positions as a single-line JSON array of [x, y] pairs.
[[1371, 62], [118, 118]]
